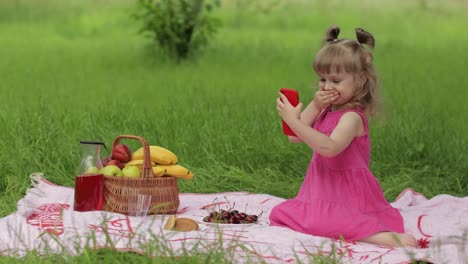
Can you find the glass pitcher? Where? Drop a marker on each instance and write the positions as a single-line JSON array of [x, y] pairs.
[[88, 181]]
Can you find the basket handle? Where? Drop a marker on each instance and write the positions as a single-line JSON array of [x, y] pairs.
[[147, 171]]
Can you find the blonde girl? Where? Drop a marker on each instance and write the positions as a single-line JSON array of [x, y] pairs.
[[340, 197]]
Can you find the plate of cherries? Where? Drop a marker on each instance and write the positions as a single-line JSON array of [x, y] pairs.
[[229, 216]]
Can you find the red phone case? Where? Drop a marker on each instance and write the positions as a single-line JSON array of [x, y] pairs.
[[293, 98]]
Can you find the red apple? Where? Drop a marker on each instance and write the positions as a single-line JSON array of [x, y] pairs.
[[122, 153], [106, 160], [116, 163]]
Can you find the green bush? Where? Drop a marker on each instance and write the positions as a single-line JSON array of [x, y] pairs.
[[179, 27]]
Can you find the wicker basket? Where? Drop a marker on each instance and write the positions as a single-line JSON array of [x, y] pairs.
[[164, 191]]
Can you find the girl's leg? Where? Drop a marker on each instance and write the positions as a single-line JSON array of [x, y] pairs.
[[391, 239]]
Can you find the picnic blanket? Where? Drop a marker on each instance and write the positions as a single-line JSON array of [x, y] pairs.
[[46, 223]]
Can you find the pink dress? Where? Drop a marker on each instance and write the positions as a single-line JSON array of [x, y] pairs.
[[339, 196]]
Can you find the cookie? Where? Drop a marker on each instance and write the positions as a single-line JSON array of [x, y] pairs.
[[185, 224], [170, 223]]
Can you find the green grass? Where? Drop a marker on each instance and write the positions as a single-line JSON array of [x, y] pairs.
[[78, 70]]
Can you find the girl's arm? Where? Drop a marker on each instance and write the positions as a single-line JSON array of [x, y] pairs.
[[308, 117], [349, 126], [322, 99]]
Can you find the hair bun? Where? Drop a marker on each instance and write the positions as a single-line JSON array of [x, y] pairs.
[[332, 33], [365, 37]]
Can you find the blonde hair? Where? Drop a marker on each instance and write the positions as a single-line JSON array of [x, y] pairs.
[[350, 56]]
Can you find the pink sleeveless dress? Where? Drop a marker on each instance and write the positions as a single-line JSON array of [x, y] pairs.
[[339, 196]]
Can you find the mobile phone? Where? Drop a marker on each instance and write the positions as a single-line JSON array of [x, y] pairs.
[[293, 98]]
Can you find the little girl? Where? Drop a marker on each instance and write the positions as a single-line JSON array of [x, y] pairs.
[[340, 197]]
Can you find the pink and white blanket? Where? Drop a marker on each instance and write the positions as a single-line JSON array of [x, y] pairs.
[[45, 222]]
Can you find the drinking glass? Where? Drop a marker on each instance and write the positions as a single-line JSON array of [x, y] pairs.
[[139, 205]]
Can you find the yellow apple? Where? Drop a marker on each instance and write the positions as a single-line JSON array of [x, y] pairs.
[[111, 170], [92, 170], [131, 171]]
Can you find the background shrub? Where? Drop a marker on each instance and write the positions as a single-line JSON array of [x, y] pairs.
[[179, 27]]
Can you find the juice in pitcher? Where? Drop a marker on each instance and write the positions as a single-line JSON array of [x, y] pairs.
[[89, 192], [89, 185]]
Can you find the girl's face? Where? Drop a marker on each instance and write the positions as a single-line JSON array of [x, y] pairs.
[[344, 83]]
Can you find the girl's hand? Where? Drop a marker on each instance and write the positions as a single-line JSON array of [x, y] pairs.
[[286, 110], [324, 98], [294, 139]]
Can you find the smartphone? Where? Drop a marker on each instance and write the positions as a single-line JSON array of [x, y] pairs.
[[293, 98]]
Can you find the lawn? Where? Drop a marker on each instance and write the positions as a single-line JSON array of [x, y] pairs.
[[78, 70]]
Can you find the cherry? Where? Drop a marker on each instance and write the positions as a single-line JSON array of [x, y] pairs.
[[214, 214], [243, 215], [233, 212], [237, 217], [249, 219], [225, 215]]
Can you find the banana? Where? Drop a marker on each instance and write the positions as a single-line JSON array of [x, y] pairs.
[[176, 171], [138, 163], [158, 155], [158, 171]]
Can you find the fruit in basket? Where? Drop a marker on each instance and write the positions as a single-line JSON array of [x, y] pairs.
[[116, 163], [92, 170], [111, 170], [138, 163], [158, 171], [131, 171], [122, 153], [176, 171], [106, 160], [158, 155]]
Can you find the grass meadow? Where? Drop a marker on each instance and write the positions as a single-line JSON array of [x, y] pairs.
[[79, 70]]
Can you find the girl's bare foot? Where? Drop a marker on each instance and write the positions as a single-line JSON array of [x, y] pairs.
[[391, 239]]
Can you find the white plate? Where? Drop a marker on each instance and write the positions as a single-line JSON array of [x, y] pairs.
[[226, 225]]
